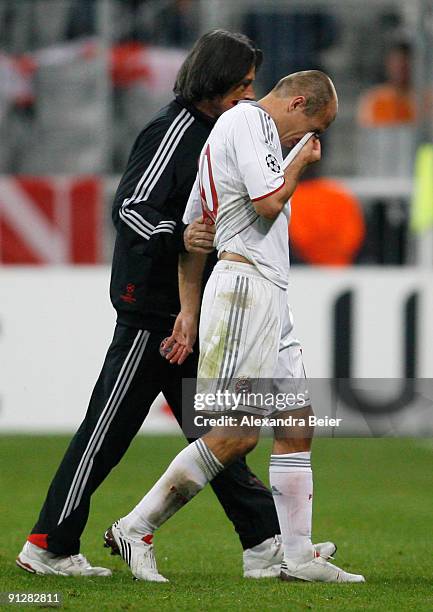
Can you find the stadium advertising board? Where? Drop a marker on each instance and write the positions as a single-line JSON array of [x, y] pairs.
[[364, 323]]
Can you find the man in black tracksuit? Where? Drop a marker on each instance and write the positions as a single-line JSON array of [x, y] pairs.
[[147, 214]]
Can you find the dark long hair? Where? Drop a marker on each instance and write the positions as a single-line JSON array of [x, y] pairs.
[[218, 61]]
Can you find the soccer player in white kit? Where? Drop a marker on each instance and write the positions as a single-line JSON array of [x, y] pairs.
[[246, 341]]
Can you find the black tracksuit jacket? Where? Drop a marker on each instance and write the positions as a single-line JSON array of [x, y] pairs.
[[147, 213]]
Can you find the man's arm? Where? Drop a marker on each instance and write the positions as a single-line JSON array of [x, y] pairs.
[[140, 211], [180, 343], [268, 182], [271, 206]]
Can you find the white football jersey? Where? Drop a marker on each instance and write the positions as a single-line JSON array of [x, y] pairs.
[[240, 163]]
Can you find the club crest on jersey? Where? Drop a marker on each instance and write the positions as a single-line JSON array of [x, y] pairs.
[[243, 385], [272, 163]]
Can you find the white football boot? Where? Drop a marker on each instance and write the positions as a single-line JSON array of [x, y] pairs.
[[37, 560], [317, 569], [264, 560], [137, 553]]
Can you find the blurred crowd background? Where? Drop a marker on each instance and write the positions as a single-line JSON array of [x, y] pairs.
[[80, 78]]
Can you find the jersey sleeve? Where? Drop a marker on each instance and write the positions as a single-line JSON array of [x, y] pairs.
[[140, 212], [258, 153], [193, 208]]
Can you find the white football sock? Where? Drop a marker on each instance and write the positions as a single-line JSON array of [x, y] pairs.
[[291, 481], [186, 475]]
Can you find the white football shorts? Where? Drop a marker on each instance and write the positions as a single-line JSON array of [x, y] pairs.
[[249, 359]]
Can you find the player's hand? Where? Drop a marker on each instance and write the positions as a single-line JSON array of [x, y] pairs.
[[179, 345], [310, 153], [199, 236]]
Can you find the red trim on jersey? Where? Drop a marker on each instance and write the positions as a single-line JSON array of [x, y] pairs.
[[269, 194], [209, 216], [39, 539], [212, 182]]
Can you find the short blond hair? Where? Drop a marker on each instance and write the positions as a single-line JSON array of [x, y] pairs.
[[314, 85]]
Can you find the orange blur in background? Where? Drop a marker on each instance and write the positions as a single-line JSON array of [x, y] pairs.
[[327, 225]]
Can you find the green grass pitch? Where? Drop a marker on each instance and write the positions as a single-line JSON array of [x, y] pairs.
[[374, 498]]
